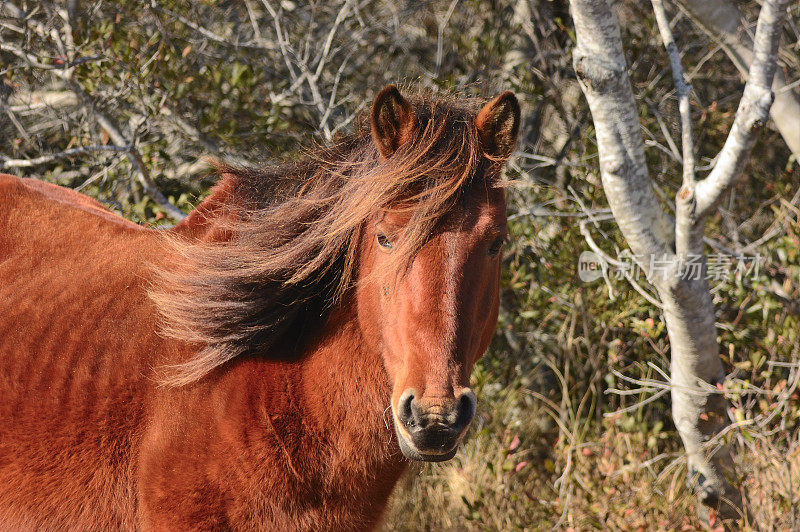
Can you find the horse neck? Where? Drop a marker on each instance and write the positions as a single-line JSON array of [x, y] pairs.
[[344, 377], [346, 391]]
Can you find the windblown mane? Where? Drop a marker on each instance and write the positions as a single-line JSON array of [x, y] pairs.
[[294, 243]]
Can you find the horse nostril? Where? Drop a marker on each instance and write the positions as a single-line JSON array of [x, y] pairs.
[[404, 406], [466, 408]]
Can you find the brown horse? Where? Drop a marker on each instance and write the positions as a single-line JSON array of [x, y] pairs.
[[242, 370]]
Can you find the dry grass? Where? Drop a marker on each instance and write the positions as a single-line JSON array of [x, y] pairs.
[[516, 471]]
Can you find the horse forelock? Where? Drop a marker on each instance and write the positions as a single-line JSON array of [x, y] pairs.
[[295, 231]]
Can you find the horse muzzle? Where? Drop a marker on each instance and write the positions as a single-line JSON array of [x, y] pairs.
[[429, 429]]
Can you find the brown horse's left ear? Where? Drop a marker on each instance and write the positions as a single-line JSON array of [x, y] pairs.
[[498, 125], [393, 121]]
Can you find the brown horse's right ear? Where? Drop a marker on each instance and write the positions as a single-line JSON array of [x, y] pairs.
[[498, 126], [393, 121]]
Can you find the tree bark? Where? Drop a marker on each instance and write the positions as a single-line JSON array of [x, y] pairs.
[[600, 64], [722, 21], [673, 256]]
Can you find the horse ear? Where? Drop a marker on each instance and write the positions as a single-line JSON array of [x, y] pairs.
[[393, 121], [498, 125]]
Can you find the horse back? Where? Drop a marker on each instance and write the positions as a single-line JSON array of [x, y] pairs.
[[78, 343]]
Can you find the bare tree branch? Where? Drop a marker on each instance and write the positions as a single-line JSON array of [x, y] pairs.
[[135, 158], [259, 44], [133, 154], [442, 24], [682, 89], [752, 113], [31, 101], [74, 152], [688, 240], [721, 20]]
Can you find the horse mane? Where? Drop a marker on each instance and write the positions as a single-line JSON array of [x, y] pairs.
[[295, 234]]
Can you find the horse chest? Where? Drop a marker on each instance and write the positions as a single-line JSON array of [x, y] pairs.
[[264, 465]]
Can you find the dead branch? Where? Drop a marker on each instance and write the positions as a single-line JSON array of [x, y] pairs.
[[74, 152]]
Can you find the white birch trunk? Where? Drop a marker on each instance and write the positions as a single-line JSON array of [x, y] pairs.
[[698, 408]]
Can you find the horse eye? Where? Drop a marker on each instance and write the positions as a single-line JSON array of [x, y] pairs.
[[496, 246], [384, 242]]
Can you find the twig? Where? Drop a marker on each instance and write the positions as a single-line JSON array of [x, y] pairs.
[[440, 38], [638, 405], [132, 153], [74, 152], [258, 44], [688, 234]]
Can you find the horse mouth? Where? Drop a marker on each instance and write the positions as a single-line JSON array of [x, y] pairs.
[[442, 444]]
